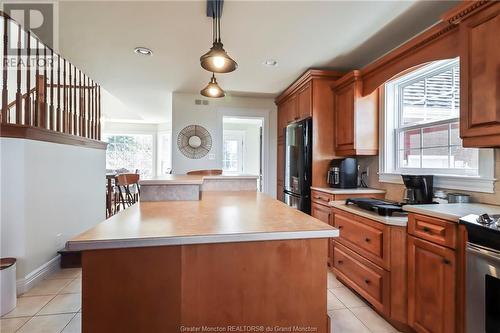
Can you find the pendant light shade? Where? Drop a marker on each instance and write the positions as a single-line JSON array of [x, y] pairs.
[[212, 89], [217, 60]]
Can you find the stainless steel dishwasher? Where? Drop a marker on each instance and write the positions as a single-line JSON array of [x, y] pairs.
[[483, 273]]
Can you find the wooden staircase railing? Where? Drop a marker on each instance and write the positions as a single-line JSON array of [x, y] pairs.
[[50, 92]]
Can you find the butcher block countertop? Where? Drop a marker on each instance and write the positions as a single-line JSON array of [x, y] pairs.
[[219, 217], [454, 211]]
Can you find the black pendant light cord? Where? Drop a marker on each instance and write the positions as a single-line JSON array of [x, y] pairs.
[[219, 14]]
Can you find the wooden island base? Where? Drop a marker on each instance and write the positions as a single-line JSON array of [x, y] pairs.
[[279, 283]]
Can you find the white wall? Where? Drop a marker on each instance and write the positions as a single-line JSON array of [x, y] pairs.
[[185, 112], [49, 193]]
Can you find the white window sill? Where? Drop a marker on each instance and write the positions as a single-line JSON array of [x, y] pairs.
[[463, 183]]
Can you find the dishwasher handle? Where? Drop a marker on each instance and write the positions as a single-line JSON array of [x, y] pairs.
[[483, 251]]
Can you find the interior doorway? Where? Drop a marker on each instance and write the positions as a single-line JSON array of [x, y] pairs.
[[242, 146]]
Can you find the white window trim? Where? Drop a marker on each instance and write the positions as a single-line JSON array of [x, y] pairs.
[[484, 183]]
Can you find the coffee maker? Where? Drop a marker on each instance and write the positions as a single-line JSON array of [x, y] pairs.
[[419, 189], [343, 173]]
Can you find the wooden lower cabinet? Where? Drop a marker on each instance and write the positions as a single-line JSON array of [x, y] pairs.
[[369, 280], [370, 258], [324, 213], [431, 287]]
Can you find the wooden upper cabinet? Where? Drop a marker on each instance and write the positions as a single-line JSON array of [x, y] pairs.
[[311, 96], [431, 287], [479, 78], [304, 102], [355, 117]]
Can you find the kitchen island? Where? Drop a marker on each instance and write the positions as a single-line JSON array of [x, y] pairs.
[[229, 259]]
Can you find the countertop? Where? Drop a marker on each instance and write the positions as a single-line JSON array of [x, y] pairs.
[[359, 190], [452, 212], [219, 217], [395, 220], [189, 179]]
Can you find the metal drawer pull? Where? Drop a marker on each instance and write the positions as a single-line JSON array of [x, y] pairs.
[[367, 281], [367, 240], [340, 262], [340, 226], [446, 262], [426, 229]]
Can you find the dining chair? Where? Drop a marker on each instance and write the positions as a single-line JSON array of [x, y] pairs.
[[128, 190]]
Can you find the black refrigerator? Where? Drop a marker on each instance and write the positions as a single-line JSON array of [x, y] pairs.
[[298, 162]]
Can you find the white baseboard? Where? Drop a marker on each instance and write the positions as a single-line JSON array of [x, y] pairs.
[[32, 278]]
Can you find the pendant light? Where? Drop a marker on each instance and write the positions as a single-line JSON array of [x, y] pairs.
[[217, 60], [213, 89]]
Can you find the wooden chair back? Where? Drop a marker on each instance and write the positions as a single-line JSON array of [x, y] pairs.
[[213, 172], [126, 179], [128, 190]]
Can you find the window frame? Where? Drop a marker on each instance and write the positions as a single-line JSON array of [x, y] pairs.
[[390, 127], [135, 133]]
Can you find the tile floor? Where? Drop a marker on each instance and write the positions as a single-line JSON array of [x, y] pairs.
[[53, 306]]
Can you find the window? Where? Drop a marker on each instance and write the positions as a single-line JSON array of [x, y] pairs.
[[422, 129], [131, 152], [164, 152], [232, 155]]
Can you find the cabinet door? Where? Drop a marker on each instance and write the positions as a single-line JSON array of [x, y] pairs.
[[321, 212], [431, 287], [324, 213], [479, 78], [293, 110], [304, 103], [344, 117], [282, 119]]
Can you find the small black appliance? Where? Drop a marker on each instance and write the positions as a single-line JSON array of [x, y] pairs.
[[419, 189], [343, 173]]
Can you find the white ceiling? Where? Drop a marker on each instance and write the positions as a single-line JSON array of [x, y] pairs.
[[99, 37]]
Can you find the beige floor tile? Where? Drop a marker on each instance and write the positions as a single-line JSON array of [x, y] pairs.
[[333, 282], [344, 321], [46, 324], [10, 325], [75, 325], [63, 303], [75, 287], [67, 273], [48, 287], [333, 302], [347, 297], [28, 306], [373, 320]]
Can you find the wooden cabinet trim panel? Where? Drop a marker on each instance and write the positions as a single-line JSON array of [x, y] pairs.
[[431, 287], [432, 229], [368, 238], [321, 197], [369, 280], [308, 76]]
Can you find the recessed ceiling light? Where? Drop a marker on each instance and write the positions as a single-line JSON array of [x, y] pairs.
[[143, 51], [271, 63]]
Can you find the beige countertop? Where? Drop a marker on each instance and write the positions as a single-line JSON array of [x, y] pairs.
[[396, 220], [454, 211], [189, 179], [359, 190], [219, 217]]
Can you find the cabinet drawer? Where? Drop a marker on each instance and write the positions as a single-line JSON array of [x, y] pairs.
[[368, 238], [369, 280], [321, 197], [432, 229], [321, 212]]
